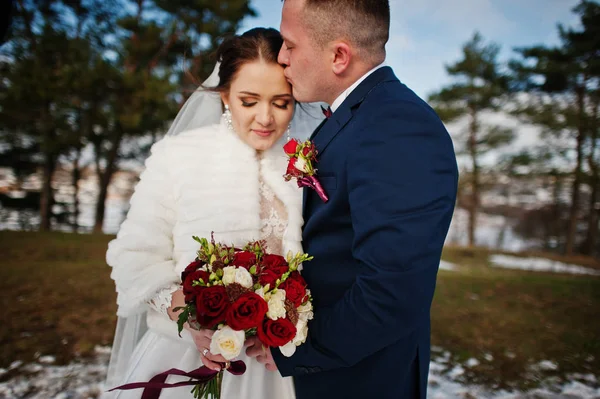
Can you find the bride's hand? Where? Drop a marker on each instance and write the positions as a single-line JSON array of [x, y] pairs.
[[201, 338]]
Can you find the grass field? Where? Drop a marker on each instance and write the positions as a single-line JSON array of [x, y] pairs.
[[58, 299]]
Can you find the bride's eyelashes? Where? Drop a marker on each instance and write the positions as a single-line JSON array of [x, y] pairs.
[[280, 104], [248, 104]]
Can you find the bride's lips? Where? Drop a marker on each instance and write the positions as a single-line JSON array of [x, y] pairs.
[[263, 132]]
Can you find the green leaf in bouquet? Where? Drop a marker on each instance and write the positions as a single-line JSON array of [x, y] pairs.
[[253, 270], [182, 319]]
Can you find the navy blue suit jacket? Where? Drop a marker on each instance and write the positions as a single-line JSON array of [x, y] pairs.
[[388, 166]]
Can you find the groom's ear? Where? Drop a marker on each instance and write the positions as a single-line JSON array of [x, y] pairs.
[[342, 55]]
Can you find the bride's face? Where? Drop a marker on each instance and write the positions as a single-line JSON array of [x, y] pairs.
[[261, 104]]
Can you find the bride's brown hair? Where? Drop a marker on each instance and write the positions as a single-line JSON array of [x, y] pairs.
[[258, 44]]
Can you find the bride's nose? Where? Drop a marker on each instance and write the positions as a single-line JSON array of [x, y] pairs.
[[265, 116]]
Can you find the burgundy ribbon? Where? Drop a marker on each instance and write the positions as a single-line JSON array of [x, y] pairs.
[[200, 375], [312, 182]]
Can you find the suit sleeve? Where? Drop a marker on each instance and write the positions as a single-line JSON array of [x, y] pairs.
[[402, 181], [141, 256]]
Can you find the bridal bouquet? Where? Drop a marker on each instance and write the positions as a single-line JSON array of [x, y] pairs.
[[242, 293], [239, 293]]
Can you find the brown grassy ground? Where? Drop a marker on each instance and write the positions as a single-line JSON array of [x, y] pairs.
[[58, 299]]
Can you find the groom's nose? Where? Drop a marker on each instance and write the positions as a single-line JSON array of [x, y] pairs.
[[283, 58]]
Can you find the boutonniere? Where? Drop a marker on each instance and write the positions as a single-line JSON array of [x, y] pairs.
[[300, 165]]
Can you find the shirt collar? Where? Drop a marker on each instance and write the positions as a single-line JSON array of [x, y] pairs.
[[338, 101]]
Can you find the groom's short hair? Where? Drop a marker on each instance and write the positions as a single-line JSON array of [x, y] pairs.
[[364, 23]]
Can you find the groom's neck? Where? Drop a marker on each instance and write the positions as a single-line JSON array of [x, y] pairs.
[[347, 79]]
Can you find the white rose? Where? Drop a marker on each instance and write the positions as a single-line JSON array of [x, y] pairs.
[[301, 165], [301, 332], [276, 305], [243, 277], [288, 349], [305, 312], [260, 292], [228, 275], [227, 342]]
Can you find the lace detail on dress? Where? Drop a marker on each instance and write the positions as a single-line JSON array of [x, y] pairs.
[[162, 300], [273, 218]]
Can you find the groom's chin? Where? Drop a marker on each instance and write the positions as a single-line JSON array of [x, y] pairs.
[[301, 97]]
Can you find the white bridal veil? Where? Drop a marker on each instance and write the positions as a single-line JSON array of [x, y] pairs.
[[203, 108]]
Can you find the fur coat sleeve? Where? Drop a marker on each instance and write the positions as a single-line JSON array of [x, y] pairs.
[[142, 254]]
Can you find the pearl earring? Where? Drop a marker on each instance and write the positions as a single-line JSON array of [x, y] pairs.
[[227, 116]]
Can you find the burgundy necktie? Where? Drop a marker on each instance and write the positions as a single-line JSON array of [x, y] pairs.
[[327, 111]]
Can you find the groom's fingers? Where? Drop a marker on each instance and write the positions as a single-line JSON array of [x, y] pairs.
[[254, 350], [271, 366]]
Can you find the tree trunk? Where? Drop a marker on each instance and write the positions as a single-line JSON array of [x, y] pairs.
[[104, 179], [572, 226], [556, 229], [47, 195], [592, 228], [76, 175], [474, 206]]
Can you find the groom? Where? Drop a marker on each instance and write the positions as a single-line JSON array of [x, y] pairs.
[[389, 169]]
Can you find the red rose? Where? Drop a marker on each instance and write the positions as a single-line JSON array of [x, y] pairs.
[[276, 332], [270, 261], [211, 306], [248, 311], [268, 276], [244, 259], [291, 147], [191, 291], [273, 267], [298, 277], [295, 288], [291, 168], [192, 267]]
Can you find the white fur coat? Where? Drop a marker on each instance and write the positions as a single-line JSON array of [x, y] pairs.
[[199, 181]]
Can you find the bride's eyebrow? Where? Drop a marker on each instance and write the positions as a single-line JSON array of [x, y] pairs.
[[276, 96]]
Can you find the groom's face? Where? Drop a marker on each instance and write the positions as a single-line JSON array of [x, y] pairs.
[[305, 63]]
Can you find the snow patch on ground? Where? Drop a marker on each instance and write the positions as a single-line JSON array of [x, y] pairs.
[[85, 380], [539, 265]]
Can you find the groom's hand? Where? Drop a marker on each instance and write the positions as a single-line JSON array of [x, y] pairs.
[[255, 348]]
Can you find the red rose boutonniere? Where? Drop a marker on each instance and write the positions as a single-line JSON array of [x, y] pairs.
[[300, 165]]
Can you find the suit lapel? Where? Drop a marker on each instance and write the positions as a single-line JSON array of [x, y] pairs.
[[345, 112], [329, 128]]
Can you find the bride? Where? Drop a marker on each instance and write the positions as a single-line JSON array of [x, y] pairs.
[[212, 172]]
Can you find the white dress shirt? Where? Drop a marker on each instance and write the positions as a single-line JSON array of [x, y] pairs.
[[338, 101]]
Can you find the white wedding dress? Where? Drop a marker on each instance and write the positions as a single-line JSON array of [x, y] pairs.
[[161, 348]]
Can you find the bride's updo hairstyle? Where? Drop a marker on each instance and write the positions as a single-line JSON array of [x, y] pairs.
[[258, 44]]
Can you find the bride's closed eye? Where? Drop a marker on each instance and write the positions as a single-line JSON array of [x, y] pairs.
[[281, 104], [248, 104]]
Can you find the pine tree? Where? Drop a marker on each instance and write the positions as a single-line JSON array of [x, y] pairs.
[[479, 86], [562, 86]]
